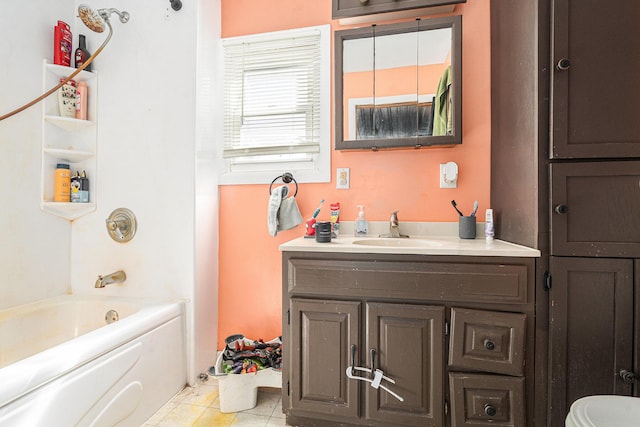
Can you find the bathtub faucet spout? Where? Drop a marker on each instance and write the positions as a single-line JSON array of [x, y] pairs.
[[117, 277]]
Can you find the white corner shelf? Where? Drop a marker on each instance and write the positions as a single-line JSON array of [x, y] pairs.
[[68, 211], [67, 123], [68, 140]]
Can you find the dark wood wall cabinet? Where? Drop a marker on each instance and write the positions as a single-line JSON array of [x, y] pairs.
[[351, 8], [448, 340]]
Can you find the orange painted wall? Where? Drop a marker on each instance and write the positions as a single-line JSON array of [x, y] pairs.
[[250, 272]]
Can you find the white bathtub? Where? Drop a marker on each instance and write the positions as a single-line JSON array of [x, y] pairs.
[[62, 364]]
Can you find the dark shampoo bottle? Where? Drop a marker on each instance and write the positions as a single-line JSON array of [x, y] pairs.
[[82, 54]]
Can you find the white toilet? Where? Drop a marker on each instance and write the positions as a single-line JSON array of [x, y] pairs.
[[604, 411]]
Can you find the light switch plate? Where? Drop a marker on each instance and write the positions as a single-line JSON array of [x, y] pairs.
[[342, 178]]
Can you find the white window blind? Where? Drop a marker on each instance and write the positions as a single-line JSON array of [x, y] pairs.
[[273, 101]]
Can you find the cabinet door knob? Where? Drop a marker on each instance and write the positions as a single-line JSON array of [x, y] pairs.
[[627, 376], [561, 209], [489, 345], [490, 410], [363, 2], [563, 64]]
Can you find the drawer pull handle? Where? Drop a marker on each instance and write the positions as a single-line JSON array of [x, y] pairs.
[[490, 410], [489, 345], [561, 209], [363, 2]]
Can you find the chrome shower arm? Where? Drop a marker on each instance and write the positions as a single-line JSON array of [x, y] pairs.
[[106, 13]]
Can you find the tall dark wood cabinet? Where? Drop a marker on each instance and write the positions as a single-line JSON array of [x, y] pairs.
[[566, 180]]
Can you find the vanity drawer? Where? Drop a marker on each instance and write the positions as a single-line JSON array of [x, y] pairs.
[[487, 341], [404, 277], [486, 400]]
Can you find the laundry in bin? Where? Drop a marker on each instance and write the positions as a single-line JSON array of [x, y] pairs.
[[242, 367]]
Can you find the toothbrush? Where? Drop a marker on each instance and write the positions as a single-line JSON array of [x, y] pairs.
[[317, 211], [453, 203], [475, 208]]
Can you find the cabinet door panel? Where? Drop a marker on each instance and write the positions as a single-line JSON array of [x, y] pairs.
[[601, 203], [590, 330], [321, 335], [408, 340], [595, 101]]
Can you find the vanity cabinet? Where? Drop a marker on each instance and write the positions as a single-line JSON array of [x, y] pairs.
[[68, 140], [351, 8], [453, 333]]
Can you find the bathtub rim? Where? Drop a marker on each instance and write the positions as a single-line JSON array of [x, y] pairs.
[[24, 376]]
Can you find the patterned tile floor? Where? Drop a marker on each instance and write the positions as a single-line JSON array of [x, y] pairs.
[[199, 407]]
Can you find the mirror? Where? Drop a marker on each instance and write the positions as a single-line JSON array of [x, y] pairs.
[[399, 85]]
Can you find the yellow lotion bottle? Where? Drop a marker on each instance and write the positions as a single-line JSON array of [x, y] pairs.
[[62, 183]]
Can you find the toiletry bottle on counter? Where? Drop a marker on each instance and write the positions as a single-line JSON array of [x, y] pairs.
[[361, 226], [82, 54], [488, 225], [84, 188], [62, 183]]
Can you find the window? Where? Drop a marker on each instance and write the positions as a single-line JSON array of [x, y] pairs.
[[276, 106]]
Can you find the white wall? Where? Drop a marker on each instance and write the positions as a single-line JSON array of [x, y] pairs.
[[149, 140], [34, 246]]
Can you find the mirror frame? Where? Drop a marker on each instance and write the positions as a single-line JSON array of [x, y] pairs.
[[455, 23]]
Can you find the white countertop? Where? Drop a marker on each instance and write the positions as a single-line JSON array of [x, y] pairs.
[[441, 240]]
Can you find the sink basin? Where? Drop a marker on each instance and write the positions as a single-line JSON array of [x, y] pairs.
[[398, 243]]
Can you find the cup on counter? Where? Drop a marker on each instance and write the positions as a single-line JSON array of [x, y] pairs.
[[323, 232], [467, 227]]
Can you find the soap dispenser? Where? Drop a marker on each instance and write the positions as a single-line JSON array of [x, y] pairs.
[[361, 227]]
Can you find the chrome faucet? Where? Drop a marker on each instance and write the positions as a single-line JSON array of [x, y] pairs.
[[394, 227], [117, 277]]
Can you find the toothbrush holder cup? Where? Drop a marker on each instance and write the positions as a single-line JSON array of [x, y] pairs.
[[467, 227]]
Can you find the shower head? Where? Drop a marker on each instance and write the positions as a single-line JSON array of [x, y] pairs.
[[96, 21]]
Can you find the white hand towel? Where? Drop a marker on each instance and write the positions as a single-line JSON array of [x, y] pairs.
[[274, 206], [289, 215]]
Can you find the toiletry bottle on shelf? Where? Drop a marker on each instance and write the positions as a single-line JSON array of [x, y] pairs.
[[84, 188], [75, 187], [62, 183], [82, 54], [361, 226], [81, 101]]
